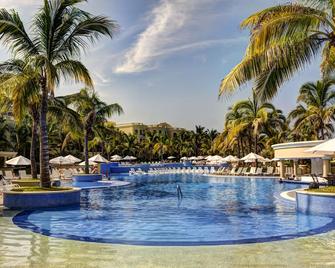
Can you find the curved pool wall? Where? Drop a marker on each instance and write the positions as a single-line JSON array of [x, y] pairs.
[[116, 168], [87, 177], [36, 200], [315, 203], [213, 211]]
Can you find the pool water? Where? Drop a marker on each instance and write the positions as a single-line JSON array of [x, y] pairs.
[[212, 211]]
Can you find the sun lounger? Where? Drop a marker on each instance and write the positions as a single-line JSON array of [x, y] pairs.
[[244, 171], [67, 174], [9, 175], [6, 185], [252, 171], [232, 172], [269, 171], [259, 171], [23, 174], [239, 171]]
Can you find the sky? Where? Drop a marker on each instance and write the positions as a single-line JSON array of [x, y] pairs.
[[167, 60]]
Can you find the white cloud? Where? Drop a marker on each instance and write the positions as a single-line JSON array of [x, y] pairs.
[[171, 29]]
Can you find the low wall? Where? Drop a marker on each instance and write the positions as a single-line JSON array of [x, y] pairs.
[[316, 203], [111, 168], [34, 200], [87, 177]]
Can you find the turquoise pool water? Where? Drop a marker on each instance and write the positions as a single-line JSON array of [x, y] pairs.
[[212, 211]]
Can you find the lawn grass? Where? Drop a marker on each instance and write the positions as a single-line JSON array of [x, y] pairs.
[[40, 189], [328, 189], [28, 180]]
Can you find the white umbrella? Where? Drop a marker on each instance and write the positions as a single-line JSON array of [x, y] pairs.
[[19, 161], [192, 158], [171, 157], [90, 163], [208, 158], [116, 158], [200, 157], [61, 160], [129, 158], [72, 158], [217, 158], [231, 158], [327, 148], [98, 159], [184, 158], [252, 157]]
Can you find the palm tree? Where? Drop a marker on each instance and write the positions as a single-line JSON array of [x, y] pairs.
[[60, 32], [162, 146], [284, 38], [92, 112], [19, 87], [315, 111]]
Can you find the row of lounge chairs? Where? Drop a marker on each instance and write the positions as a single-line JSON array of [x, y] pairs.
[[9, 175], [179, 170], [55, 174], [246, 171]]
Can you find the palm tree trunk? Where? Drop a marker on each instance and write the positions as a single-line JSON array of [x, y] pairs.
[[34, 135], [256, 143], [87, 171], [44, 147]]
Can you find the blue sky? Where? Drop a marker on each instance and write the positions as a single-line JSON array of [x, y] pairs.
[[166, 63]]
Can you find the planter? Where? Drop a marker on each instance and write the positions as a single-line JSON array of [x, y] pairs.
[[43, 199], [315, 203], [87, 177]]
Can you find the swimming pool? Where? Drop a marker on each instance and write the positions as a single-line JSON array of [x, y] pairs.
[[213, 211]]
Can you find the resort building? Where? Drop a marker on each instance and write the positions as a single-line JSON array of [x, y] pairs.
[[140, 129], [290, 154]]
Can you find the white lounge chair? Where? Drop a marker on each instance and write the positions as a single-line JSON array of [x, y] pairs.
[[259, 171], [23, 174], [269, 171], [251, 172], [239, 171], [67, 174], [9, 175]]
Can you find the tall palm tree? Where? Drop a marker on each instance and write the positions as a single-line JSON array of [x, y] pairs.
[[284, 38], [315, 111], [59, 33], [92, 111], [255, 115]]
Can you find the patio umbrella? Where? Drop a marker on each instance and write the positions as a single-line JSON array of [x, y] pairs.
[[217, 158], [184, 158], [208, 158], [129, 158], [19, 161], [327, 148], [61, 160], [200, 157], [192, 158], [171, 157], [73, 158], [90, 163], [98, 159], [116, 158], [252, 157], [231, 158]]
